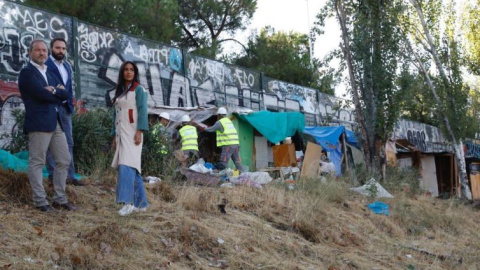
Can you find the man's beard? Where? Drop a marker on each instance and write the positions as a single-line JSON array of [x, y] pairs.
[[58, 57]]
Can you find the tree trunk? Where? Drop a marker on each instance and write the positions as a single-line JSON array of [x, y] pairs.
[[457, 144], [356, 98]]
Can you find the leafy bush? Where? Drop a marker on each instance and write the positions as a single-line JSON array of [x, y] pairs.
[[92, 140], [18, 141], [402, 180], [154, 162]]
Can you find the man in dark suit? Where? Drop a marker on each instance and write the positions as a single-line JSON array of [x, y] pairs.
[[41, 100], [62, 70]]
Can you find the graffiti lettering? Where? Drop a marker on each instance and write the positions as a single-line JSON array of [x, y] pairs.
[[57, 27], [155, 85], [91, 42], [39, 23], [245, 80], [178, 96], [206, 68], [473, 150], [12, 59], [417, 138], [175, 59], [165, 56]]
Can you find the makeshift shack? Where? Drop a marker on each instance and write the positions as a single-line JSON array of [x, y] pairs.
[[258, 132], [335, 141], [425, 148], [472, 159], [269, 130]]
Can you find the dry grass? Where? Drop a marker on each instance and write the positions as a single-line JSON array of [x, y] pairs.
[[316, 226]]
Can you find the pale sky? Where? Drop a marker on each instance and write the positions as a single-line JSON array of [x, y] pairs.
[[295, 15]]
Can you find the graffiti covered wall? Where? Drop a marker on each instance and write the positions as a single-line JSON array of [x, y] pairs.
[[102, 51], [319, 108], [426, 138], [216, 83], [172, 76]]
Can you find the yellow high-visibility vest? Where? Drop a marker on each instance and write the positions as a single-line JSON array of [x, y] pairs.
[[229, 136], [158, 130], [189, 137]]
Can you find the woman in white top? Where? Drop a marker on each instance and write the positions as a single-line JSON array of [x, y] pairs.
[[130, 120]]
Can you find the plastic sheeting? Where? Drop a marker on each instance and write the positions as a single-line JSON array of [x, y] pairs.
[[17, 162], [275, 126], [328, 137], [366, 190]]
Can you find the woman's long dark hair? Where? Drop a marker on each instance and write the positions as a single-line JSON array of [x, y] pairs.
[[121, 80]]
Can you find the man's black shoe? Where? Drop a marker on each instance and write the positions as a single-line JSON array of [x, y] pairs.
[[221, 207], [75, 182], [66, 206], [45, 208]]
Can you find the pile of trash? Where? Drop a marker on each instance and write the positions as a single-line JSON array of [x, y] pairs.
[[205, 174]]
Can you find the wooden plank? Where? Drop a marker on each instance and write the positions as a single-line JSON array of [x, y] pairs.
[[284, 155], [311, 161]]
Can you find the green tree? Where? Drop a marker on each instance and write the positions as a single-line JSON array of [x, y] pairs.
[[151, 19], [283, 56], [418, 103], [471, 26], [204, 21], [371, 49], [439, 50]]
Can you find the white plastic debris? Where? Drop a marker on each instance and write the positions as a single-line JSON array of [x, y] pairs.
[[152, 179], [226, 185], [373, 185]]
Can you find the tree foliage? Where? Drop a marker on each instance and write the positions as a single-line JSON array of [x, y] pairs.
[[443, 56], [371, 48], [471, 26], [204, 21], [151, 19], [418, 103], [283, 56]]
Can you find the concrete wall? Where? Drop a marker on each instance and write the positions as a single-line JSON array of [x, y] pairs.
[[172, 76]]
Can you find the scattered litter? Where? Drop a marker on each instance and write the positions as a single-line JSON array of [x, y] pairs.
[[409, 256], [209, 165], [226, 185], [200, 167], [28, 259], [220, 241], [152, 179], [380, 208], [201, 178], [253, 179], [373, 186]]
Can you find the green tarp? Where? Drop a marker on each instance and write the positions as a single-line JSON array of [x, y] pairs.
[[275, 126]]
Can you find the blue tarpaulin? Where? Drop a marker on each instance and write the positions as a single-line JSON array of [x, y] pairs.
[[275, 126], [328, 137]]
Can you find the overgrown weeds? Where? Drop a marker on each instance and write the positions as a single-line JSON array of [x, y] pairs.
[[403, 180], [17, 140], [92, 140]]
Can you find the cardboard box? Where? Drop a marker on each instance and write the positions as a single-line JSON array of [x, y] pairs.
[[284, 155]]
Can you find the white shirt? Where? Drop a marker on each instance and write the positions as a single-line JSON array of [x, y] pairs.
[[62, 69], [43, 70]]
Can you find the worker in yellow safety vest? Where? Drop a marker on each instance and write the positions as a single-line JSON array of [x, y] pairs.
[[227, 139], [189, 139], [163, 133]]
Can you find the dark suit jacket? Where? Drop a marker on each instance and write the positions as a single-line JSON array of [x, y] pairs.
[[40, 104], [52, 67]]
